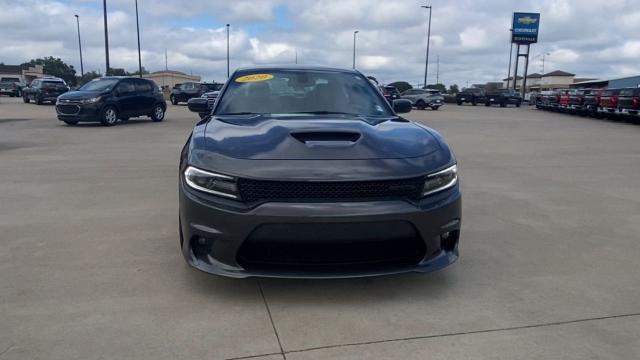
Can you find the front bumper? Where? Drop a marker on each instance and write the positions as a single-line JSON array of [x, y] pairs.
[[212, 234], [78, 112]]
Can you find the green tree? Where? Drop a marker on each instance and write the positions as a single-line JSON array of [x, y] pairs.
[[117, 72], [439, 87], [137, 72], [88, 76], [402, 86], [453, 89], [55, 67]]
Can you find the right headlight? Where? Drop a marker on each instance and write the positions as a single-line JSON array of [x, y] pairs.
[[440, 180], [212, 183]]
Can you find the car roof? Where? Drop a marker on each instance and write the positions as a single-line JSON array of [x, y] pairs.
[[295, 67]]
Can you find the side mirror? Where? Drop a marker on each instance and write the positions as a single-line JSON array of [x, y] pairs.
[[198, 105], [401, 106]]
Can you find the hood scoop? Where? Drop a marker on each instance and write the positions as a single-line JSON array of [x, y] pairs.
[[326, 138]]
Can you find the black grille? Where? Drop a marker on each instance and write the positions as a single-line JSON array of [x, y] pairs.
[[259, 190], [68, 109], [332, 247]]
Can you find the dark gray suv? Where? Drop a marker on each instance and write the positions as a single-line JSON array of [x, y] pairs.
[[308, 172]]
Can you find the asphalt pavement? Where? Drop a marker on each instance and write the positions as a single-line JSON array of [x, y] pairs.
[[90, 266]]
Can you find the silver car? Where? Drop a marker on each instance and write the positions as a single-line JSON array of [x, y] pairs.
[[424, 98]]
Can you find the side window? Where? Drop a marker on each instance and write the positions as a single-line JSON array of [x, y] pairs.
[[126, 87], [142, 86], [35, 83]]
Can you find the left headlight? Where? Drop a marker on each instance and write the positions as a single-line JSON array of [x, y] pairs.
[[212, 183], [91, 100], [440, 180]]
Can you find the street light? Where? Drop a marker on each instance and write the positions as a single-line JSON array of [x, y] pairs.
[[354, 48], [543, 56], [426, 65], [79, 45], [227, 51], [106, 36], [138, 30]]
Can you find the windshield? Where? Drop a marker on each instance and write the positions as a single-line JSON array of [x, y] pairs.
[[99, 85], [302, 92], [53, 84]]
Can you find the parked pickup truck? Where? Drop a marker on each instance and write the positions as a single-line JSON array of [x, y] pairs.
[[608, 106], [503, 98], [591, 102], [629, 104], [470, 95]]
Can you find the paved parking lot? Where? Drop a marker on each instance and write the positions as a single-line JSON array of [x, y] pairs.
[[90, 266]]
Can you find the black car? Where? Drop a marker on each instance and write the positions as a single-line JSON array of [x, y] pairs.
[[503, 98], [109, 99], [44, 90], [310, 172], [472, 96], [189, 90]]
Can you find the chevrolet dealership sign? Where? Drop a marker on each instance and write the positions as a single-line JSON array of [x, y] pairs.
[[525, 28]]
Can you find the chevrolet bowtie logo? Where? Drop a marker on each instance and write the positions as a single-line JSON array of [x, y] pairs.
[[527, 20]]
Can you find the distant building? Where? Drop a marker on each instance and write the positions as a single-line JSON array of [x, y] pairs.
[[24, 73], [169, 78], [625, 82], [557, 79]]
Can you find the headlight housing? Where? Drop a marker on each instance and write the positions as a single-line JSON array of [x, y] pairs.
[[212, 183], [440, 180], [91, 100]]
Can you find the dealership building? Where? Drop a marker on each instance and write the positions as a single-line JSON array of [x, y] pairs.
[[167, 79]]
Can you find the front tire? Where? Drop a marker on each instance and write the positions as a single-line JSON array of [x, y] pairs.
[[518, 104], [459, 103], [435, 107], [173, 99], [25, 99], [420, 105], [38, 100], [70, 122], [474, 103], [157, 114], [109, 116]]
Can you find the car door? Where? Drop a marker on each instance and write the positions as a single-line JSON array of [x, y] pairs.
[[126, 98], [409, 95], [144, 96]]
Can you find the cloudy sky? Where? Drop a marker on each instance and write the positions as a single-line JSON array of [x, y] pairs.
[[470, 37]]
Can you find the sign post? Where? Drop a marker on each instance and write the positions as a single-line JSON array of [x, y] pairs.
[[524, 31]]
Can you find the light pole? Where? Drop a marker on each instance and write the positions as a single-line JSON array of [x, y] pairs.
[[138, 30], [426, 65], [79, 45], [227, 51], [106, 36], [543, 56], [354, 48]]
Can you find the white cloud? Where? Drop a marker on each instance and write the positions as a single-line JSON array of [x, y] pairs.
[[586, 37], [474, 37]]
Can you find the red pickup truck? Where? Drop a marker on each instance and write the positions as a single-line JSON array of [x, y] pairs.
[[629, 104], [608, 106]]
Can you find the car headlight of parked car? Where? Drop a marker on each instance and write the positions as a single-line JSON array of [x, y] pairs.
[[90, 100], [440, 180], [212, 183]]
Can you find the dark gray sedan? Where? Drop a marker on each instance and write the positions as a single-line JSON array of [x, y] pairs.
[[308, 172]]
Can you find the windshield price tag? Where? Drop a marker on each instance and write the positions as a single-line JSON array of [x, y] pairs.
[[254, 78]]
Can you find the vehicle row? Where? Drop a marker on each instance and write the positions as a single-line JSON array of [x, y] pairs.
[[188, 90], [501, 97], [611, 103]]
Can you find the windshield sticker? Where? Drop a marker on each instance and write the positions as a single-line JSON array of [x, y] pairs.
[[254, 78]]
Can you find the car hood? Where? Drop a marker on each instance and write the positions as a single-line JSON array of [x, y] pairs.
[[262, 138], [79, 94]]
